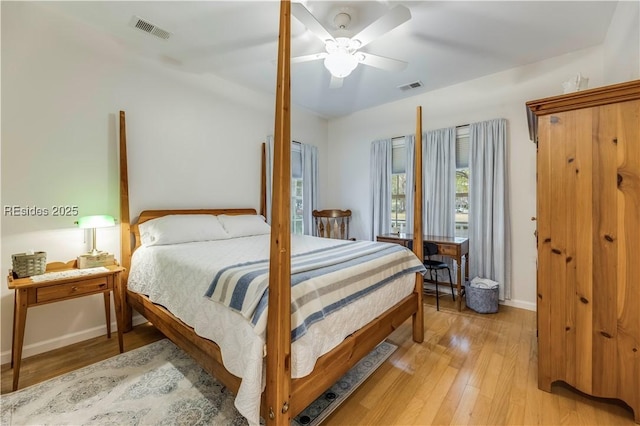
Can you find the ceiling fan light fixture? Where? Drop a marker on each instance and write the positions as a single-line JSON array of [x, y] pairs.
[[340, 63], [331, 46], [354, 44], [342, 55]]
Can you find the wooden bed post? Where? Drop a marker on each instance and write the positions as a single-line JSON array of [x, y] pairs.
[[125, 228], [278, 386], [418, 317]]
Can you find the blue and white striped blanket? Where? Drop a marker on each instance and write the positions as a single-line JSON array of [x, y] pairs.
[[322, 281]]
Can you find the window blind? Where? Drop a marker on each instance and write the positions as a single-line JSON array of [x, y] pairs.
[[398, 156], [462, 147], [296, 160]]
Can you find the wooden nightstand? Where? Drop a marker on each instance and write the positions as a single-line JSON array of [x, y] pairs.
[[54, 288]]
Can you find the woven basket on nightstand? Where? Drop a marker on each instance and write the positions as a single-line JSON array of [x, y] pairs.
[[26, 265]]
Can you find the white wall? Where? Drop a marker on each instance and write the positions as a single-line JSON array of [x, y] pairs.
[[501, 95], [622, 44], [194, 141]]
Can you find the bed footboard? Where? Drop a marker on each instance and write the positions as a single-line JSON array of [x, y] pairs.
[[333, 365], [329, 368]]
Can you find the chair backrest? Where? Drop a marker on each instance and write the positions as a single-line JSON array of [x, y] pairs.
[[333, 223], [430, 249]]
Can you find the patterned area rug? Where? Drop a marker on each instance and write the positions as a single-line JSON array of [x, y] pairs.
[[155, 385]]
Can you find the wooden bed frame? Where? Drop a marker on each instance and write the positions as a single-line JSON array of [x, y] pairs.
[[283, 397]]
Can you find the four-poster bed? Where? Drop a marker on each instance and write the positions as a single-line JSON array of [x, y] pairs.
[[284, 396]]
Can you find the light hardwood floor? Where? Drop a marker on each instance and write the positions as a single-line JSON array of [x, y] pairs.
[[470, 369]]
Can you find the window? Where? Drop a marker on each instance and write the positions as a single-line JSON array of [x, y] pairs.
[[297, 226], [297, 223], [398, 185], [462, 181]]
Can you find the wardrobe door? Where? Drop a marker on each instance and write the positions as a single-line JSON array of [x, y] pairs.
[[617, 323], [565, 214]]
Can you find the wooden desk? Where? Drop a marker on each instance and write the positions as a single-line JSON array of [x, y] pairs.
[[31, 293], [454, 247]]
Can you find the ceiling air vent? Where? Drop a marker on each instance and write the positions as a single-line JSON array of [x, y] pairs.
[[148, 27], [410, 86]]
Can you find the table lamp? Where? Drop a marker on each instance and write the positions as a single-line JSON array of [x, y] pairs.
[[95, 257]]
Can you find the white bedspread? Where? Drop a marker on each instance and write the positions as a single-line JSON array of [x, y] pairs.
[[177, 277]]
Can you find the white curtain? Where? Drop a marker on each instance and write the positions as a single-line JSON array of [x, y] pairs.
[[309, 186], [439, 190], [489, 241], [380, 167], [409, 143], [305, 164]]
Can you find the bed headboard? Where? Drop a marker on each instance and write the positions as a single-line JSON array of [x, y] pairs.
[[153, 214]]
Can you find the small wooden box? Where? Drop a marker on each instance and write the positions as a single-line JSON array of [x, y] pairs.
[[93, 261]]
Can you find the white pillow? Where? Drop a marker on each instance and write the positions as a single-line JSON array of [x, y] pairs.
[[244, 225], [181, 228]]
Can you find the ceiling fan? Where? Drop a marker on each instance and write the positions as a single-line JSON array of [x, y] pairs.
[[342, 54]]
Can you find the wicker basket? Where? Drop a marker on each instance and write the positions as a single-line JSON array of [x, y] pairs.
[[26, 265]]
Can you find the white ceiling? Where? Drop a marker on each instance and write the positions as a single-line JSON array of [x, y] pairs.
[[444, 43]]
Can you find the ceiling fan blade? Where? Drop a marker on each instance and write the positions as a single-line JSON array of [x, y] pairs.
[[395, 17], [336, 82], [381, 62], [303, 15], [308, 58]]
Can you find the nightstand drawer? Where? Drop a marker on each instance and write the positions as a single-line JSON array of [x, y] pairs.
[[447, 250], [72, 289]]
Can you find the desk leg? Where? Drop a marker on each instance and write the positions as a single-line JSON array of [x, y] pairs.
[[459, 284], [107, 311], [117, 302], [466, 266], [19, 321]]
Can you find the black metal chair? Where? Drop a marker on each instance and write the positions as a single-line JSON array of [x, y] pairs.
[[431, 249]]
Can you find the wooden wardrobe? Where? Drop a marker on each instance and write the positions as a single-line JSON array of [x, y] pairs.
[[588, 237]]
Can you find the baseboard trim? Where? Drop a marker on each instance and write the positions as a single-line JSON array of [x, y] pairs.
[[66, 340], [445, 291], [522, 304]]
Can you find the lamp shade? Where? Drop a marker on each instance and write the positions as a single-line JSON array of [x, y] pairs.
[[340, 63], [96, 221]]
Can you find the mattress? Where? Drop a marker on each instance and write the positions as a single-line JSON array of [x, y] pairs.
[[177, 276]]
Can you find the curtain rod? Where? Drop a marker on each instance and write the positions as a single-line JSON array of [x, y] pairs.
[[457, 127]]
